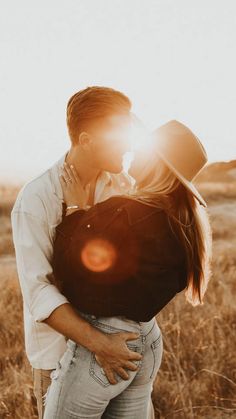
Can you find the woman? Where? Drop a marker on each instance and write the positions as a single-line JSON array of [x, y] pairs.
[[120, 262]]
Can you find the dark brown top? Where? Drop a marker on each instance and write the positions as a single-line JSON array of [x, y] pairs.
[[120, 257]]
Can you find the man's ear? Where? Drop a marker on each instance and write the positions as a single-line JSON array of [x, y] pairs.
[[84, 140]]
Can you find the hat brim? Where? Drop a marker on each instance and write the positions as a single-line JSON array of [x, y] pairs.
[[189, 185]]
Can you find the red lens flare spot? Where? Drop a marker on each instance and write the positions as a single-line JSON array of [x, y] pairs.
[[98, 255]]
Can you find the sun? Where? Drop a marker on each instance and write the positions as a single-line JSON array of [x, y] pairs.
[[140, 139]]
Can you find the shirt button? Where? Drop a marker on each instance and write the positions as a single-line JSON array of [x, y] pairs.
[[92, 316], [88, 225]]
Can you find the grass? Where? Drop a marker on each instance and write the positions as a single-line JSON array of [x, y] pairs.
[[197, 377]]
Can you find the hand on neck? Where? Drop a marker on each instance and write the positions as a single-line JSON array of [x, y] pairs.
[[85, 171]]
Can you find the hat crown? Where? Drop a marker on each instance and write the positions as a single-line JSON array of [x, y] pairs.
[[180, 148]]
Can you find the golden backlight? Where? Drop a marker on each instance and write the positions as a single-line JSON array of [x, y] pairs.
[[140, 140], [139, 136]]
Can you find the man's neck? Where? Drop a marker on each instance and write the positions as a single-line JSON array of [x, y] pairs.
[[86, 173]]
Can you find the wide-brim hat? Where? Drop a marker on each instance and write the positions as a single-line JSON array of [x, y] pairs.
[[182, 152]]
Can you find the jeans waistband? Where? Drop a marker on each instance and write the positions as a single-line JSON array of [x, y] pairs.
[[121, 322]]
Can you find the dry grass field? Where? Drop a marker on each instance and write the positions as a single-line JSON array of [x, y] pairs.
[[197, 378]]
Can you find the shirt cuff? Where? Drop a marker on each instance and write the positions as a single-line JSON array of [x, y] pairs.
[[48, 299]]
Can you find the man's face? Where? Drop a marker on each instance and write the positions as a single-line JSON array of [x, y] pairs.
[[109, 142]]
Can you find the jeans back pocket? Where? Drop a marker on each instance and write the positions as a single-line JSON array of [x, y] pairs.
[[99, 375]]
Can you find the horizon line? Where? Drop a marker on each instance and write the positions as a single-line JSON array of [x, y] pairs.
[[13, 183]]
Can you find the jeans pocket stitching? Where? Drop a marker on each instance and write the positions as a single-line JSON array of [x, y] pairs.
[[92, 371], [103, 380]]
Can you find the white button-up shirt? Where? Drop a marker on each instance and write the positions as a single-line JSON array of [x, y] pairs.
[[35, 214]]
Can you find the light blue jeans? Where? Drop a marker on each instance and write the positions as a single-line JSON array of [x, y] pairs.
[[80, 389]]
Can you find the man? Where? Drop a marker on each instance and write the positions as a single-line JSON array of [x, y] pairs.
[[97, 119]]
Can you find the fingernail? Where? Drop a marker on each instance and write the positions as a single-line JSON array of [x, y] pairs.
[[71, 166]]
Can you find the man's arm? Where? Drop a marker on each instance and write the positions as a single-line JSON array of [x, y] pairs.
[[33, 248]]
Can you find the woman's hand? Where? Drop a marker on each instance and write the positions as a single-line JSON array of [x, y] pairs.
[[73, 191]]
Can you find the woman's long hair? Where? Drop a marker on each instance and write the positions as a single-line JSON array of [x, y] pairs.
[[157, 185]]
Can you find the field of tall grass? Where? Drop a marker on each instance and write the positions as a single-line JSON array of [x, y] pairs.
[[197, 378]]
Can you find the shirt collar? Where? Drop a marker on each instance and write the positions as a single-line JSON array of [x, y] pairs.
[[104, 176]]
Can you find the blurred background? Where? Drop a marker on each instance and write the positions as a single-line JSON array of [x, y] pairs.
[[175, 60]]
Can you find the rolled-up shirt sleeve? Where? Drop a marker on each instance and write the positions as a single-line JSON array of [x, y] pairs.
[[34, 249]]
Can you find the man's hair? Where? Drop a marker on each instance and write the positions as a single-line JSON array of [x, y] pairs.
[[92, 103]]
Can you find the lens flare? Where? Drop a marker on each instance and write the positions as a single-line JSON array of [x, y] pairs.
[[98, 255], [139, 136]]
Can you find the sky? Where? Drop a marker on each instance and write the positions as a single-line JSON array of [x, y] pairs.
[[174, 59]]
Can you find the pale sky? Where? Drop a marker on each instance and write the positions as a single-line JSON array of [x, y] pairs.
[[174, 59]]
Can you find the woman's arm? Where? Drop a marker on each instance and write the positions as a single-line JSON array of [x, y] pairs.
[[73, 191]]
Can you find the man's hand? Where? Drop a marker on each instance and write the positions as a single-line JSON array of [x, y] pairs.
[[110, 350], [115, 357]]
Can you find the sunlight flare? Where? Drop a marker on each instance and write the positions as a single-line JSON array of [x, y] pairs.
[[98, 255]]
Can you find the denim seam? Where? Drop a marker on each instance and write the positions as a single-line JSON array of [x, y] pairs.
[[154, 346], [73, 350], [149, 330]]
